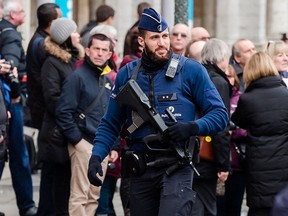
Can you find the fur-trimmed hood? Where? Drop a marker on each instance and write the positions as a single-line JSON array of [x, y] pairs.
[[54, 49]]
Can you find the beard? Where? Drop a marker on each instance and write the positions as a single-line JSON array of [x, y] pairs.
[[156, 58]]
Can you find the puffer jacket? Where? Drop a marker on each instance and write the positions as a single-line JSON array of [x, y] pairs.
[[263, 111]]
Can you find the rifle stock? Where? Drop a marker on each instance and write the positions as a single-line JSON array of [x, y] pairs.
[[131, 95]]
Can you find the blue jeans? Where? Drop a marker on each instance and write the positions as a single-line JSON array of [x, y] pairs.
[[106, 196], [19, 160]]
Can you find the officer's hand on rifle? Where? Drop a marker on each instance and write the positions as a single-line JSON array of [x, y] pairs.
[[181, 131], [94, 168]]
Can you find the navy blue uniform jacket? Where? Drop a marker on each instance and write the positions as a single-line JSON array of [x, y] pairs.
[[191, 89]]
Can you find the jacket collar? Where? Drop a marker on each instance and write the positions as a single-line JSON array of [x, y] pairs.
[[6, 24], [264, 82], [214, 68], [63, 54]]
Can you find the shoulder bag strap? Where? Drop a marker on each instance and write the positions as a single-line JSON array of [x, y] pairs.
[[83, 114]]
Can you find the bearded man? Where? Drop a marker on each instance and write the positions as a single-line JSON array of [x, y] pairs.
[[169, 81]]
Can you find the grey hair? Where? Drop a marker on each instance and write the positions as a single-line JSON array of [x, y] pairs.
[[108, 30], [214, 51], [9, 6], [235, 47]]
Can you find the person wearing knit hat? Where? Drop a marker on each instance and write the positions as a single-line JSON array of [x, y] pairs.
[[63, 49], [61, 29], [159, 167]]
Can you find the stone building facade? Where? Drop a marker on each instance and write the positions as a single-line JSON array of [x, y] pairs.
[[257, 20]]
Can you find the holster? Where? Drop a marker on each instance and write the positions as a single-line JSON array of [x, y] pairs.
[[133, 164]]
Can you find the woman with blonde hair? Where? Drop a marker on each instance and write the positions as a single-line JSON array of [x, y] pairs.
[[263, 111], [278, 51], [260, 66]]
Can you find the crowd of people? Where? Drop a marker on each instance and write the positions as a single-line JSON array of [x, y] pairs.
[[101, 118]]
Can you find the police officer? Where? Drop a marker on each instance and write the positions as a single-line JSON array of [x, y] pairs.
[[155, 191]]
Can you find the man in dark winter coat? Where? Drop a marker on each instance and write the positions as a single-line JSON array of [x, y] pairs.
[[35, 58], [83, 101]]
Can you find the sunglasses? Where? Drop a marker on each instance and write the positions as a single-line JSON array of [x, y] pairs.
[[181, 34]]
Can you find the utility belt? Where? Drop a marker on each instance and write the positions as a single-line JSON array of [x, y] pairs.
[[136, 164]]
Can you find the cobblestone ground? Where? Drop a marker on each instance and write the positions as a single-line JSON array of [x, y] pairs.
[[8, 201]]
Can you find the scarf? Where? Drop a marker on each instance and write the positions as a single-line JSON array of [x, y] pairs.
[[151, 65], [101, 70]]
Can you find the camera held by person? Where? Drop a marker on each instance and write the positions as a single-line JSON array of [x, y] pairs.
[[12, 81]]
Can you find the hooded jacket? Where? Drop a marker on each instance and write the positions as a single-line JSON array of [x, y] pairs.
[[58, 65]]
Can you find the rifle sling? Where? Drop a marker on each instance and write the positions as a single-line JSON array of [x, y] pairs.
[[136, 70]]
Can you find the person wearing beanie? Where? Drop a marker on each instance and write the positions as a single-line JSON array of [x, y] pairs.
[[86, 92], [159, 159], [61, 29], [35, 58], [63, 49]]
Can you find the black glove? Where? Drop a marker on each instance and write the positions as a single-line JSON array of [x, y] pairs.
[[181, 131], [95, 167]]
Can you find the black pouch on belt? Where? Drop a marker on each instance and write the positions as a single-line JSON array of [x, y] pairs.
[[133, 164]]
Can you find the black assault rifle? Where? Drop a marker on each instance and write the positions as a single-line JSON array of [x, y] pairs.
[[131, 95]]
